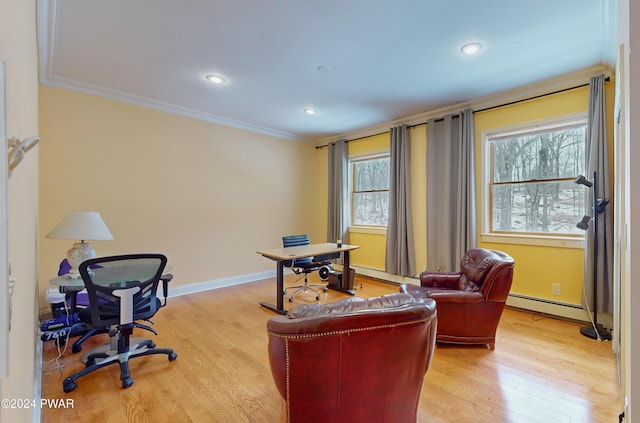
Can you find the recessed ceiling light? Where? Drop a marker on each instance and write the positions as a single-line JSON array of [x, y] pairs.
[[310, 111], [471, 48], [216, 79]]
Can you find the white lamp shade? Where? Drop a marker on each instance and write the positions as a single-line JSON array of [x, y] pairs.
[[81, 225]]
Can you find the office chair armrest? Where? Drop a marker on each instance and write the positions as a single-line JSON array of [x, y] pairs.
[[166, 278]]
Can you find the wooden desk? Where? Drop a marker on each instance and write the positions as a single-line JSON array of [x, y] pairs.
[[281, 255]]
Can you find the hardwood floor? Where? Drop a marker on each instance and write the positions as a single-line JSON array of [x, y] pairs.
[[542, 369]]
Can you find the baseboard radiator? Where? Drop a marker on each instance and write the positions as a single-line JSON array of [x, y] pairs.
[[538, 305]]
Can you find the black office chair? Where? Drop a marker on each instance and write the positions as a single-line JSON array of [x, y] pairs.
[[304, 266], [122, 290], [77, 301]]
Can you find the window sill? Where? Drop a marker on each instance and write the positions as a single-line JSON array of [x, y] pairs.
[[375, 230], [542, 241]]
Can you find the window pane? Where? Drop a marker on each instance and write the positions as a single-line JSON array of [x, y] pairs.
[[548, 207], [555, 153], [371, 175], [371, 208]]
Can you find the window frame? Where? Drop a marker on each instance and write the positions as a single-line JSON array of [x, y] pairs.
[[359, 227], [512, 237]]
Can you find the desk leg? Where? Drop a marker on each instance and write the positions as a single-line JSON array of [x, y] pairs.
[[73, 296], [346, 284], [279, 291]]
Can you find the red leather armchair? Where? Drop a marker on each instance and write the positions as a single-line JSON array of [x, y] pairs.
[[354, 360], [469, 302]]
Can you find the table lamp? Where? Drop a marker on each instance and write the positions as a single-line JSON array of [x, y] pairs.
[[83, 226]]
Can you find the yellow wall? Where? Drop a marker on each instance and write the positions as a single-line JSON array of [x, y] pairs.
[[18, 48], [206, 195], [536, 267]]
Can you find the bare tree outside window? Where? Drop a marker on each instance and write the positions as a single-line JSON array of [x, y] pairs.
[[532, 188], [370, 195]]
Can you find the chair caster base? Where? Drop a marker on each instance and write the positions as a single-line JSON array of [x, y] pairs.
[[173, 356], [127, 382], [69, 385]]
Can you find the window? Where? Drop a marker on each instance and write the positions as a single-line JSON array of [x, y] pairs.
[[370, 190], [531, 173]]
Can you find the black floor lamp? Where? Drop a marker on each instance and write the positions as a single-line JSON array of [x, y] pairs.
[[594, 331]]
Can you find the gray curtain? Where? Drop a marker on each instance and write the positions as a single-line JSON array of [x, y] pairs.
[[400, 254], [598, 161], [451, 190], [338, 201]]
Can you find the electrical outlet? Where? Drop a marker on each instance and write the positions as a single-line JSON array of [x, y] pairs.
[[555, 288]]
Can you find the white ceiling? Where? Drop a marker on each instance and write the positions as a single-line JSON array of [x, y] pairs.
[[389, 59]]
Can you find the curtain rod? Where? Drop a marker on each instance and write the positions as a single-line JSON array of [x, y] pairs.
[[477, 111]]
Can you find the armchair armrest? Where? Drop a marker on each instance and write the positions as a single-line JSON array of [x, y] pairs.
[[166, 278], [445, 280]]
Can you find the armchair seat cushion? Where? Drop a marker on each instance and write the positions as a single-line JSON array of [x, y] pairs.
[[442, 295]]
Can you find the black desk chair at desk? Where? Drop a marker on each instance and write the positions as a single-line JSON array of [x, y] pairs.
[[304, 266], [122, 290]]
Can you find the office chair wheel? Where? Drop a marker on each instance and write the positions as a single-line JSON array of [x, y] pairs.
[[90, 362], [318, 297], [68, 385], [325, 289], [290, 299], [127, 382], [173, 356], [76, 348], [151, 345]]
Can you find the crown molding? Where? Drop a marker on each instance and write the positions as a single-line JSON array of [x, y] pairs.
[[108, 93], [522, 93], [47, 21]]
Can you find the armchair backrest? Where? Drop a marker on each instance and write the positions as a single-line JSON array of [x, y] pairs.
[[370, 358], [490, 270], [296, 241], [104, 275]]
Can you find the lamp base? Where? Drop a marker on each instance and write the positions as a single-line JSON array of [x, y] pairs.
[[74, 273], [601, 333], [80, 252]]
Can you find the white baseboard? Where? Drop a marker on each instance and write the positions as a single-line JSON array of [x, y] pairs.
[[569, 311], [559, 309], [539, 305], [379, 274], [564, 310], [177, 291]]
